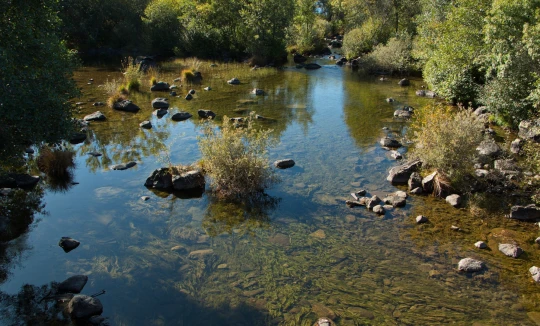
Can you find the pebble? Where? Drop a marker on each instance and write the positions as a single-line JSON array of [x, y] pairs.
[[421, 219], [480, 245], [145, 198]]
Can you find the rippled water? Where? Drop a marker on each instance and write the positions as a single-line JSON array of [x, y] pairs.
[[303, 256]]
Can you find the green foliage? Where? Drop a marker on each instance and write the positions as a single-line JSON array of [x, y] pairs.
[[446, 140], [363, 39], [394, 57], [531, 154], [235, 158], [308, 30], [35, 77]]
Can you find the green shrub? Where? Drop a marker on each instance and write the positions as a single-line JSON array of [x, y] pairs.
[[531, 154], [446, 139], [133, 85], [132, 74], [236, 160], [394, 57], [361, 40]]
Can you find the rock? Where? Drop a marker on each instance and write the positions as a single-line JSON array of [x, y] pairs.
[[298, 58], [123, 166], [404, 82], [421, 219], [257, 91], [480, 245], [515, 146], [415, 181], [535, 272], [324, 322], [189, 97], [77, 138], [417, 191], [146, 124], [188, 180], [400, 113], [233, 81], [529, 129], [181, 116], [488, 148], [160, 86], [321, 310], [361, 192], [98, 104], [83, 307], [222, 266], [160, 112], [510, 250], [6, 191], [94, 154], [208, 88], [192, 92], [206, 114], [284, 164], [145, 198], [431, 94], [525, 213], [389, 142], [74, 284], [398, 201], [400, 174], [372, 202], [29, 150], [480, 110], [396, 155], [19, 180], [160, 179], [470, 265], [160, 103], [98, 321], [173, 93], [454, 200], [378, 209], [428, 183], [389, 100], [481, 173], [506, 166], [455, 228], [200, 253], [312, 66], [68, 244], [318, 234], [96, 116], [421, 92], [126, 106], [236, 120]]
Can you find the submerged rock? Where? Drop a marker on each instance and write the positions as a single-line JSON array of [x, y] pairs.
[[68, 244], [206, 114], [83, 307], [123, 166], [404, 82], [480, 245], [390, 143], [470, 265], [200, 253], [421, 219], [535, 272], [74, 284], [312, 66], [510, 250], [284, 164]]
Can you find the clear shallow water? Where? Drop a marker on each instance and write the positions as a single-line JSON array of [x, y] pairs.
[[306, 255]]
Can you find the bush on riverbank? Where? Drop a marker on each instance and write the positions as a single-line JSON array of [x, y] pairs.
[[446, 139], [235, 158], [394, 57]]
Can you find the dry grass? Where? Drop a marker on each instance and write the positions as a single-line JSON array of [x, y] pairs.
[[56, 162], [118, 96], [236, 159]]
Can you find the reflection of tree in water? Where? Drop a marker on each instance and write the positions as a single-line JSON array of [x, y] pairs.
[[16, 215], [247, 216], [30, 307]]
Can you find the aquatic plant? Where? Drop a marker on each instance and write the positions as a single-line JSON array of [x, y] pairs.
[[56, 162], [235, 158], [132, 74]]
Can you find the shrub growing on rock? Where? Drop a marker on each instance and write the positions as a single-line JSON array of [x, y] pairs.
[[235, 158], [446, 139]]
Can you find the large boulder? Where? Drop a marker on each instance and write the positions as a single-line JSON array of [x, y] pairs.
[[123, 166], [206, 114], [470, 265], [428, 182], [488, 148], [525, 213], [126, 106], [83, 307], [188, 180], [181, 116], [415, 181], [160, 87], [390, 143], [96, 116], [160, 103], [74, 284], [404, 82], [160, 179], [530, 129], [400, 174]]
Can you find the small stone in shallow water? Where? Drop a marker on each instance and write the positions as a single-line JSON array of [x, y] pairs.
[[83, 306], [284, 164], [146, 124], [510, 250], [470, 265], [145, 198], [74, 284], [223, 266], [421, 219], [455, 228], [68, 244], [417, 191], [361, 192], [200, 253], [535, 272], [378, 209], [480, 245], [537, 240], [318, 234]]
